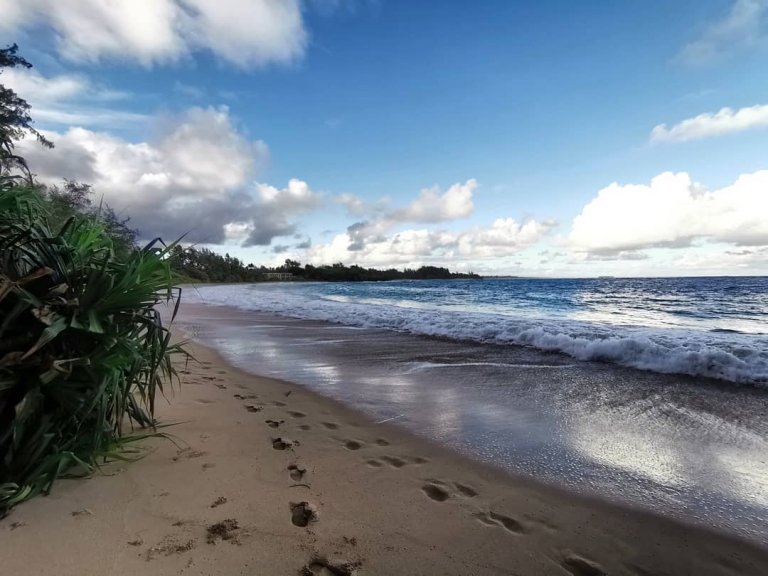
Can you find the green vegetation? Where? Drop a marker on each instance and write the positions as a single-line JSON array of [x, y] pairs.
[[15, 121], [83, 348], [202, 265]]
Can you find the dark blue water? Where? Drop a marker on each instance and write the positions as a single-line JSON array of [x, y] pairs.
[[728, 304], [714, 327]]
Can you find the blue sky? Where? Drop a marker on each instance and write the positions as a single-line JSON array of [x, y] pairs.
[[539, 105]]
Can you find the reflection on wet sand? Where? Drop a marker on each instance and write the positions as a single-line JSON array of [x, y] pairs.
[[682, 446]]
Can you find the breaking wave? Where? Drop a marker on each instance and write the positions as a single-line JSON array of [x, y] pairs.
[[730, 356]]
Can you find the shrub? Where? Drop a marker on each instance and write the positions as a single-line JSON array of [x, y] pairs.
[[83, 348]]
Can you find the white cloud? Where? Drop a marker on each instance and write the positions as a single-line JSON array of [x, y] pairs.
[[743, 27], [359, 207], [194, 179], [504, 237], [68, 99], [243, 32], [725, 121], [278, 206], [672, 211], [32, 86], [432, 206], [237, 231]]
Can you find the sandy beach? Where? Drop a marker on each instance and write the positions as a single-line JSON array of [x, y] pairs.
[[270, 478]]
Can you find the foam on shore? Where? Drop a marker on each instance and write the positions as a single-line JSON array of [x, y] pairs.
[[733, 357]]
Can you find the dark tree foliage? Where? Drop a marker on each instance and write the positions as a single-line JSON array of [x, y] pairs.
[[15, 121], [203, 265], [74, 199]]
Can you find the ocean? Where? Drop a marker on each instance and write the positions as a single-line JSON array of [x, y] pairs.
[[713, 327], [649, 392]]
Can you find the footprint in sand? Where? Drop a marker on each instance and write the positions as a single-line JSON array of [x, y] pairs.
[[297, 414], [274, 423], [494, 519], [304, 427], [322, 567], [353, 445], [302, 514], [252, 408], [278, 403], [382, 442], [330, 425], [280, 444], [465, 490], [394, 461], [296, 473], [435, 492], [581, 567]]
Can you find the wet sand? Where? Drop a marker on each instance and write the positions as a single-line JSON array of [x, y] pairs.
[[270, 478], [685, 447]]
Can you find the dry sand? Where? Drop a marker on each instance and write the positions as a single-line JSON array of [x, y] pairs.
[[272, 479]]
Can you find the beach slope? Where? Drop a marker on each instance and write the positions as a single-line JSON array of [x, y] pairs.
[[271, 479]]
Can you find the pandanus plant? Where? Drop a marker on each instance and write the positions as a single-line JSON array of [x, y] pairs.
[[83, 348]]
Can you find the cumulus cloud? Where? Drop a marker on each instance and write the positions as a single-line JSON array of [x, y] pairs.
[[672, 211], [68, 99], [277, 207], [194, 179], [725, 121], [243, 32], [359, 207], [743, 27], [504, 237], [432, 206]]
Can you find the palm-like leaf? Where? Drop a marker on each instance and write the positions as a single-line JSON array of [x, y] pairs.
[[83, 349]]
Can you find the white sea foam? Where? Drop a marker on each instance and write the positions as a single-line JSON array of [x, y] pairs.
[[734, 357]]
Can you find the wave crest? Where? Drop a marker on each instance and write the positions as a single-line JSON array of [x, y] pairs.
[[732, 357]]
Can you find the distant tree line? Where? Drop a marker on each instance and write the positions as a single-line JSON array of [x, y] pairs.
[[203, 265]]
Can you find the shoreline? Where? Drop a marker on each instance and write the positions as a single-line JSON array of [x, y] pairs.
[[684, 448], [379, 500]]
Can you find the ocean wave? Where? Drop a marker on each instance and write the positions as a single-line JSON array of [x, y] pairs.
[[733, 357]]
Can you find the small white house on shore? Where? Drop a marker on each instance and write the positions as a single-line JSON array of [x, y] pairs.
[[278, 276]]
